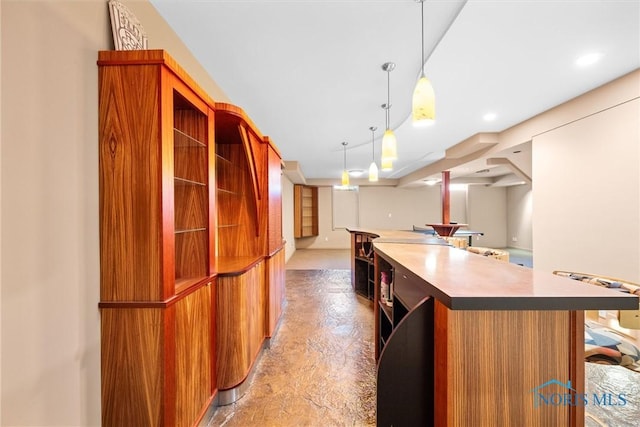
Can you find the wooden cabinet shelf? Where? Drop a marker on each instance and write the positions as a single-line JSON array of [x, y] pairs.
[[305, 209]]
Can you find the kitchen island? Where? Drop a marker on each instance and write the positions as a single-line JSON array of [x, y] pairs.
[[468, 340]]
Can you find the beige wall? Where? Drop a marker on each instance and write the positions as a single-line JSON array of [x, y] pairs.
[[591, 222], [487, 212], [287, 217], [50, 330], [392, 208], [519, 217]]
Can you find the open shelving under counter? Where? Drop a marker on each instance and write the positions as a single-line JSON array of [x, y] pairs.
[[363, 268]]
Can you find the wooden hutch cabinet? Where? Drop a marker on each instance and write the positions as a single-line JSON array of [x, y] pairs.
[[182, 206]]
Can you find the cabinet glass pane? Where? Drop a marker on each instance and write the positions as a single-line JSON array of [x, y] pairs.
[[191, 193]]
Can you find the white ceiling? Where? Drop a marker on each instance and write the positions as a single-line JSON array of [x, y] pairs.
[[308, 72]]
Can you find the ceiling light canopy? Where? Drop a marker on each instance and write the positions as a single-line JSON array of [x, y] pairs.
[[424, 99]]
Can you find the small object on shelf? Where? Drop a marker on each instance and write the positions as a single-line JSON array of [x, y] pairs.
[[386, 289]]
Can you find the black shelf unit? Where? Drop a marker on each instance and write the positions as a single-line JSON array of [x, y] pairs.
[[405, 337], [364, 279]]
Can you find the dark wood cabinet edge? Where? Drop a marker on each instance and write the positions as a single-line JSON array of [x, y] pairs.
[[243, 269], [183, 293], [155, 57], [239, 114], [275, 251], [159, 304]]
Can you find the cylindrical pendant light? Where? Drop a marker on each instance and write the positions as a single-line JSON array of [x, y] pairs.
[[386, 165], [389, 143], [424, 100], [373, 168], [345, 174]]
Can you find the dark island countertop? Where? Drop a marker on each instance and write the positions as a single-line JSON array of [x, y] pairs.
[[466, 281]]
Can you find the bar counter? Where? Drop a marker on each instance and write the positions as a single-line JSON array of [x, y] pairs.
[[463, 280], [473, 341]]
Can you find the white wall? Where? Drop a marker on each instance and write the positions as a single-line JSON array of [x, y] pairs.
[[391, 208], [287, 218], [487, 212], [519, 217], [587, 202], [50, 328]]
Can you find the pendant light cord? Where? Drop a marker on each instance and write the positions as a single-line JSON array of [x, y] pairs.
[[422, 39], [344, 144], [388, 96], [373, 143]]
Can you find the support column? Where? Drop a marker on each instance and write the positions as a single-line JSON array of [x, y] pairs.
[[446, 198]]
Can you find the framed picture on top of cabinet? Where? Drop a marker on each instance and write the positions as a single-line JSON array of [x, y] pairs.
[[128, 33]]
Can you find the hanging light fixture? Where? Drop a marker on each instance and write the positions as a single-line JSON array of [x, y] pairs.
[[424, 101], [345, 173], [389, 144], [386, 161], [386, 165], [373, 168]]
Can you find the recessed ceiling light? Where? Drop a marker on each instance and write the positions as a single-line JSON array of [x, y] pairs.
[[431, 181], [588, 59], [489, 117], [356, 172]]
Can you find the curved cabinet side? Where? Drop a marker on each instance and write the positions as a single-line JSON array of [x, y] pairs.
[[405, 371], [240, 325]]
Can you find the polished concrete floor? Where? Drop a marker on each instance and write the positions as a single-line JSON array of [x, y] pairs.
[[320, 259], [320, 369]]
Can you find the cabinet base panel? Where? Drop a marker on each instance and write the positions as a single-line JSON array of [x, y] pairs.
[[232, 395]]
